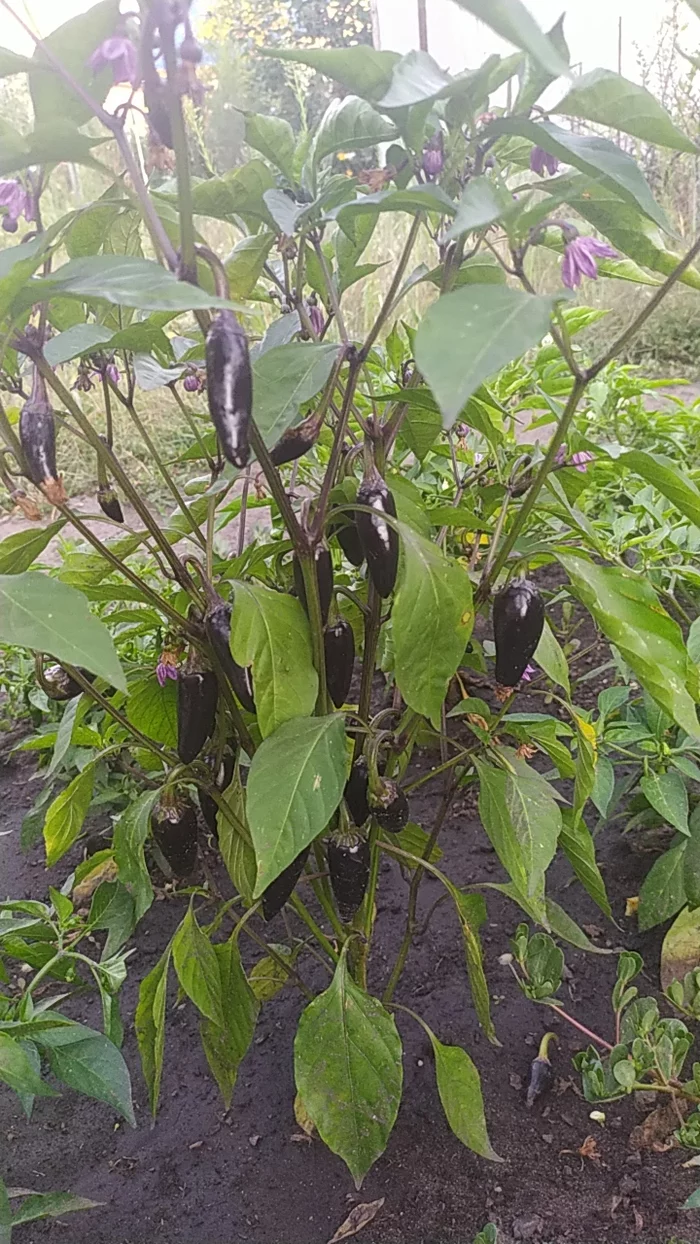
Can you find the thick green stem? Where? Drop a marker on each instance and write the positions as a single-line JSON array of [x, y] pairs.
[[373, 620], [11, 439], [304, 914], [322, 889], [338, 439], [277, 489], [313, 608]]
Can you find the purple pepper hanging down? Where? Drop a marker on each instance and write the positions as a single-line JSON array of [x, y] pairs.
[[378, 538], [356, 792], [297, 441], [174, 826], [349, 540], [339, 647], [541, 1074], [197, 697], [279, 890], [108, 502], [58, 684], [229, 386], [348, 865], [217, 623], [518, 622], [37, 434], [389, 806], [324, 573]]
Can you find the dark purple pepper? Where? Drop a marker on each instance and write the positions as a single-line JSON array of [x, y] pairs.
[[222, 780], [217, 623], [230, 386], [389, 806], [541, 1073], [339, 646], [197, 697], [157, 108], [174, 826], [60, 686], [279, 890], [378, 538], [324, 573], [349, 540], [37, 434], [108, 502], [518, 622], [357, 790], [348, 865], [297, 441]]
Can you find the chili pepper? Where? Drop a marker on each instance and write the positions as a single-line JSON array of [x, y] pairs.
[[348, 864], [279, 890], [339, 646], [37, 434], [197, 696], [222, 780], [349, 540], [357, 790], [541, 1074], [377, 537], [229, 386], [389, 806], [174, 826], [297, 441], [518, 622], [217, 623], [324, 574], [108, 502], [58, 684]]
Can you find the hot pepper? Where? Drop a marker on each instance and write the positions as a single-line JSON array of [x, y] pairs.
[[389, 806], [378, 538], [222, 780], [229, 386], [174, 826], [348, 864], [518, 622], [356, 791], [349, 540], [217, 623], [197, 696], [58, 684], [279, 890], [339, 646], [37, 434], [324, 574], [297, 441], [108, 502], [541, 1074]]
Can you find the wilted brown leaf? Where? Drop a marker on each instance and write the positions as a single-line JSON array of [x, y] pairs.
[[358, 1218], [632, 906], [106, 871]]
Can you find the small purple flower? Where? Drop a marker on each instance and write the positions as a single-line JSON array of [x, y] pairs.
[[581, 459], [165, 670], [120, 55], [434, 155], [561, 456], [18, 202], [192, 383], [542, 162], [112, 373], [317, 319], [580, 259], [528, 673]]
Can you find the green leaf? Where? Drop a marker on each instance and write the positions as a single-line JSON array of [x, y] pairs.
[[663, 473], [152, 709], [662, 894], [149, 1023], [126, 281], [72, 44], [432, 620], [17, 1069], [226, 1047], [267, 977], [680, 952], [471, 333], [348, 1072], [245, 264], [65, 816], [130, 833], [236, 850], [601, 159], [512, 21], [197, 969], [604, 785], [471, 909], [11, 62], [668, 794], [350, 124], [274, 138], [284, 378], [421, 428], [17, 552], [578, 846], [694, 642], [693, 1201], [459, 1086], [414, 839], [238, 193], [561, 924], [51, 142], [535, 816], [360, 69], [295, 784], [50, 1205], [44, 614], [533, 79], [550, 657], [93, 1065], [496, 820], [112, 908], [412, 200], [270, 632], [479, 205], [76, 340], [607, 99], [691, 865], [628, 612]]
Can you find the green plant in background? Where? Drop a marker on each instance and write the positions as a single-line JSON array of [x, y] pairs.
[[207, 681]]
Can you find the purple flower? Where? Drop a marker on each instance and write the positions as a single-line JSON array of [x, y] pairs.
[[561, 456], [580, 259], [542, 162], [317, 319], [165, 670], [18, 202], [120, 55], [528, 673], [581, 459], [112, 373], [434, 155]]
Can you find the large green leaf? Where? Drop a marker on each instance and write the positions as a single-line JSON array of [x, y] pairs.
[[414, 199], [496, 821], [284, 378], [479, 205], [663, 893], [680, 952], [76, 340], [130, 833], [44, 614], [126, 281], [65, 816], [347, 1066], [234, 844], [607, 99], [17, 552], [535, 815], [532, 77], [549, 655], [270, 631], [149, 1023], [72, 44], [350, 124], [274, 138], [628, 612], [468, 335], [471, 910], [91, 1064], [238, 193], [512, 21], [671, 481], [245, 264], [152, 709], [432, 620], [360, 69], [50, 1205], [296, 782], [459, 1086], [668, 795], [11, 62], [417, 79], [18, 1071], [226, 1047], [197, 969], [578, 846], [49, 143]]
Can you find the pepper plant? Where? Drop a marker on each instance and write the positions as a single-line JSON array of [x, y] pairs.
[[226, 682]]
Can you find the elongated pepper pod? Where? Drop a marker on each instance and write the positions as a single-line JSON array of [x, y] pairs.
[[279, 890], [356, 792], [108, 502], [541, 1073], [222, 780], [324, 573], [217, 624], [37, 434], [389, 806], [349, 540], [518, 622], [197, 696], [378, 538], [229, 386], [348, 865], [58, 684], [174, 826], [297, 441], [339, 647]]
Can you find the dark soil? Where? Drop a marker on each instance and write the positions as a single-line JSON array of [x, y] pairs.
[[202, 1176]]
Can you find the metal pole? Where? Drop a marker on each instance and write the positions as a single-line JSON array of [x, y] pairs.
[[422, 26]]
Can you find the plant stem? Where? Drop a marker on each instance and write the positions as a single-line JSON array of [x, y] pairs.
[[304, 914], [313, 607], [188, 262], [338, 439], [192, 425], [277, 489], [385, 309], [372, 620], [586, 1031], [163, 753], [11, 439], [333, 296], [322, 890], [280, 961], [368, 912]]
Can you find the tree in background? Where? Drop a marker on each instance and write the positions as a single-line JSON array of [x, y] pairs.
[[234, 30]]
